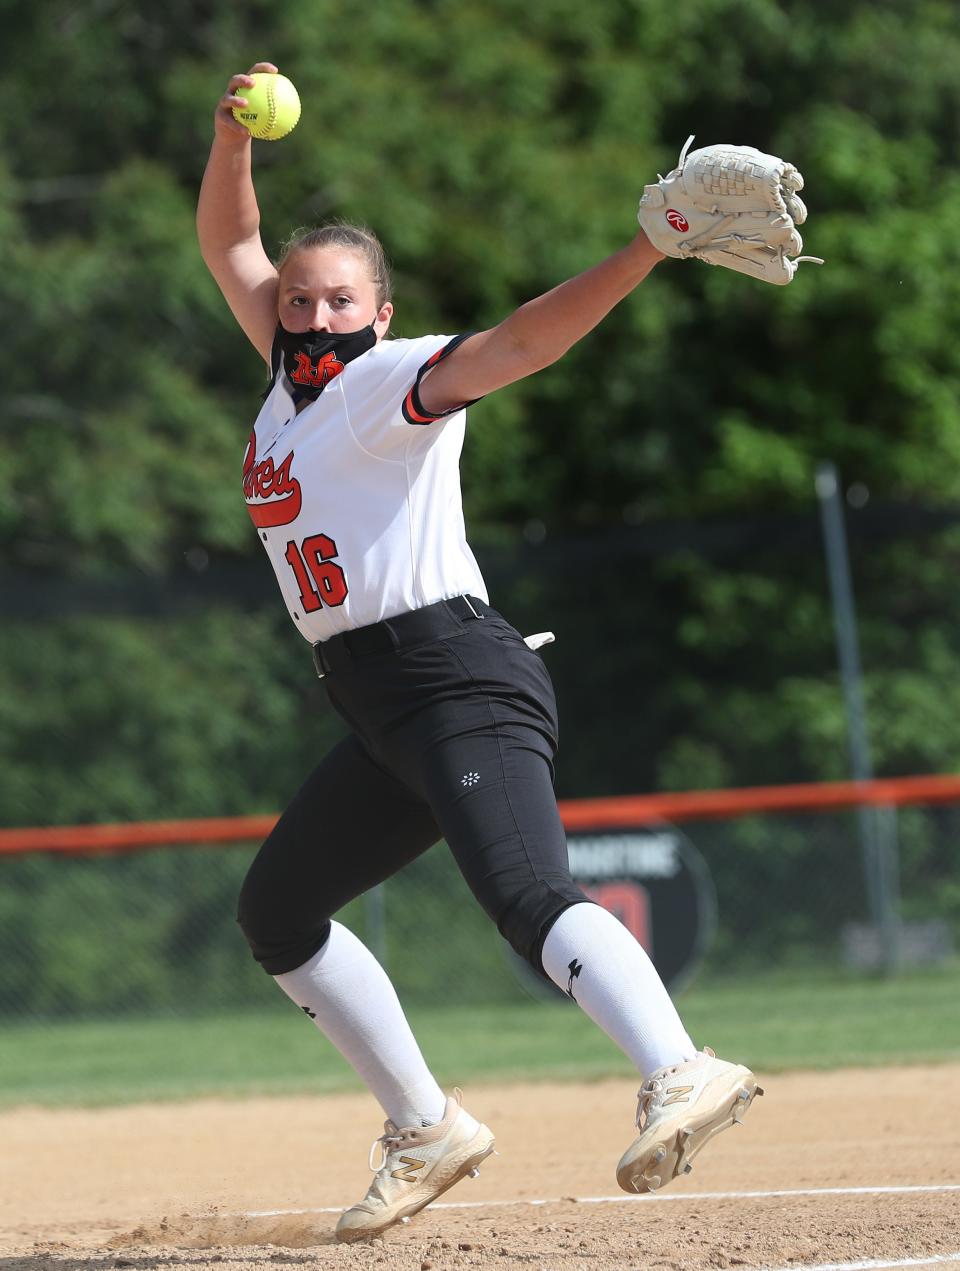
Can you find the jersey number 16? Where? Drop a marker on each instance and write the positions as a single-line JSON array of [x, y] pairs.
[[320, 579]]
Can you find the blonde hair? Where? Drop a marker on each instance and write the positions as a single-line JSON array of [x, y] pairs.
[[349, 237]]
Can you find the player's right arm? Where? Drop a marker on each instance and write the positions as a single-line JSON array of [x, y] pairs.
[[228, 223]]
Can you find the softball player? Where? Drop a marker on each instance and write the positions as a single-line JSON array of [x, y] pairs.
[[351, 478]]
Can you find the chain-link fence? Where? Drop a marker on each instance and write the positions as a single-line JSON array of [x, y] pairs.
[[689, 655], [154, 930]]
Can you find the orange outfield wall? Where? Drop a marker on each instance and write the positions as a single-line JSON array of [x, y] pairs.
[[577, 814]]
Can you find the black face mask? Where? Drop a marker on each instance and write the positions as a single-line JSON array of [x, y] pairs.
[[311, 359]]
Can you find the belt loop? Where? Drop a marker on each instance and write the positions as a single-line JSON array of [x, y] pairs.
[[471, 608], [318, 663]]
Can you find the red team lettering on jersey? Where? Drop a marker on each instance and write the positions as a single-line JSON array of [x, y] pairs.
[[272, 482], [360, 513]]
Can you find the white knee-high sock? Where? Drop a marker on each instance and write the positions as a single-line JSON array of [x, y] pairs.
[[594, 958], [347, 994]]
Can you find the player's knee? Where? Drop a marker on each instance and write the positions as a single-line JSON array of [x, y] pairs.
[[529, 915], [281, 932]]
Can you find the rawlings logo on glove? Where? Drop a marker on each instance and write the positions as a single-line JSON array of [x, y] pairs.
[[732, 206]]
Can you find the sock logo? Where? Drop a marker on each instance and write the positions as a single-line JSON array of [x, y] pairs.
[[409, 1172], [574, 968], [307, 1011]]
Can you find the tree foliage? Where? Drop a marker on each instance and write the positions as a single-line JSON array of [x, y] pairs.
[[497, 150]]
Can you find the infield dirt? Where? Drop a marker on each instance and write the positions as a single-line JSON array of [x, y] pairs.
[[161, 1187]]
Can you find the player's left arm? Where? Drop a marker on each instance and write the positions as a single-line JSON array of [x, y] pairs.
[[539, 332], [733, 206]]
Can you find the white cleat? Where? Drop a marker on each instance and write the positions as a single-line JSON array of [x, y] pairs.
[[679, 1110], [417, 1165]]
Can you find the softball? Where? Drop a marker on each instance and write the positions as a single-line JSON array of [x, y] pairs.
[[272, 109]]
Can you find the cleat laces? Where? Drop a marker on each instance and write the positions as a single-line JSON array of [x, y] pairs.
[[653, 1087], [390, 1139], [645, 1096]]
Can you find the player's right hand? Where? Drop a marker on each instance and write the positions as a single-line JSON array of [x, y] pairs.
[[224, 123]]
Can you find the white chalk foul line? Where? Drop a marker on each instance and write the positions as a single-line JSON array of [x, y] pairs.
[[681, 1196], [873, 1264]]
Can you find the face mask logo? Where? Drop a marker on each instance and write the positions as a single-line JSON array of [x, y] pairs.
[[312, 359], [308, 374]]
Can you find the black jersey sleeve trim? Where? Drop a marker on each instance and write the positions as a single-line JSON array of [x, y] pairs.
[[413, 409]]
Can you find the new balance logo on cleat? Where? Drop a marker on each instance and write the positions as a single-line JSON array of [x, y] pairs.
[[717, 1096], [409, 1172], [677, 1094], [404, 1184]]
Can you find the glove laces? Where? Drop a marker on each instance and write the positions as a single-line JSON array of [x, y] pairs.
[[683, 154]]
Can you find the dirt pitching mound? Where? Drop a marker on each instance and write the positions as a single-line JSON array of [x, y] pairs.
[[830, 1168]]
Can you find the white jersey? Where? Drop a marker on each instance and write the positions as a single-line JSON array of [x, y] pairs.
[[357, 498]]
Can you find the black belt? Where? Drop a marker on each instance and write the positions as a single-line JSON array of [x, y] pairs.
[[418, 626]]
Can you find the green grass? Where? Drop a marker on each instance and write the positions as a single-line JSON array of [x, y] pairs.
[[770, 1022]]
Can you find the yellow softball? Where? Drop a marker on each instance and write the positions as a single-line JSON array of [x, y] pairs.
[[272, 109]]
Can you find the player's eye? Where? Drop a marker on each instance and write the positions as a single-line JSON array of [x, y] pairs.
[[342, 301], [298, 300]]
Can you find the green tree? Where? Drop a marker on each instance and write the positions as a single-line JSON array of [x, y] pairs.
[[497, 151]]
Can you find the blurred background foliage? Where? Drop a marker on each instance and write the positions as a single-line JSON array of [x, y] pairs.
[[650, 498]]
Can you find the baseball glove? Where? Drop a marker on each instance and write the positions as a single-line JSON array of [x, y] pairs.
[[732, 206]]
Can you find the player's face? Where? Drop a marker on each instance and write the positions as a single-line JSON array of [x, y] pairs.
[[329, 289]]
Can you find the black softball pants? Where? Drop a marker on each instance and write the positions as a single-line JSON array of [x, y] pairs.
[[454, 736]]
